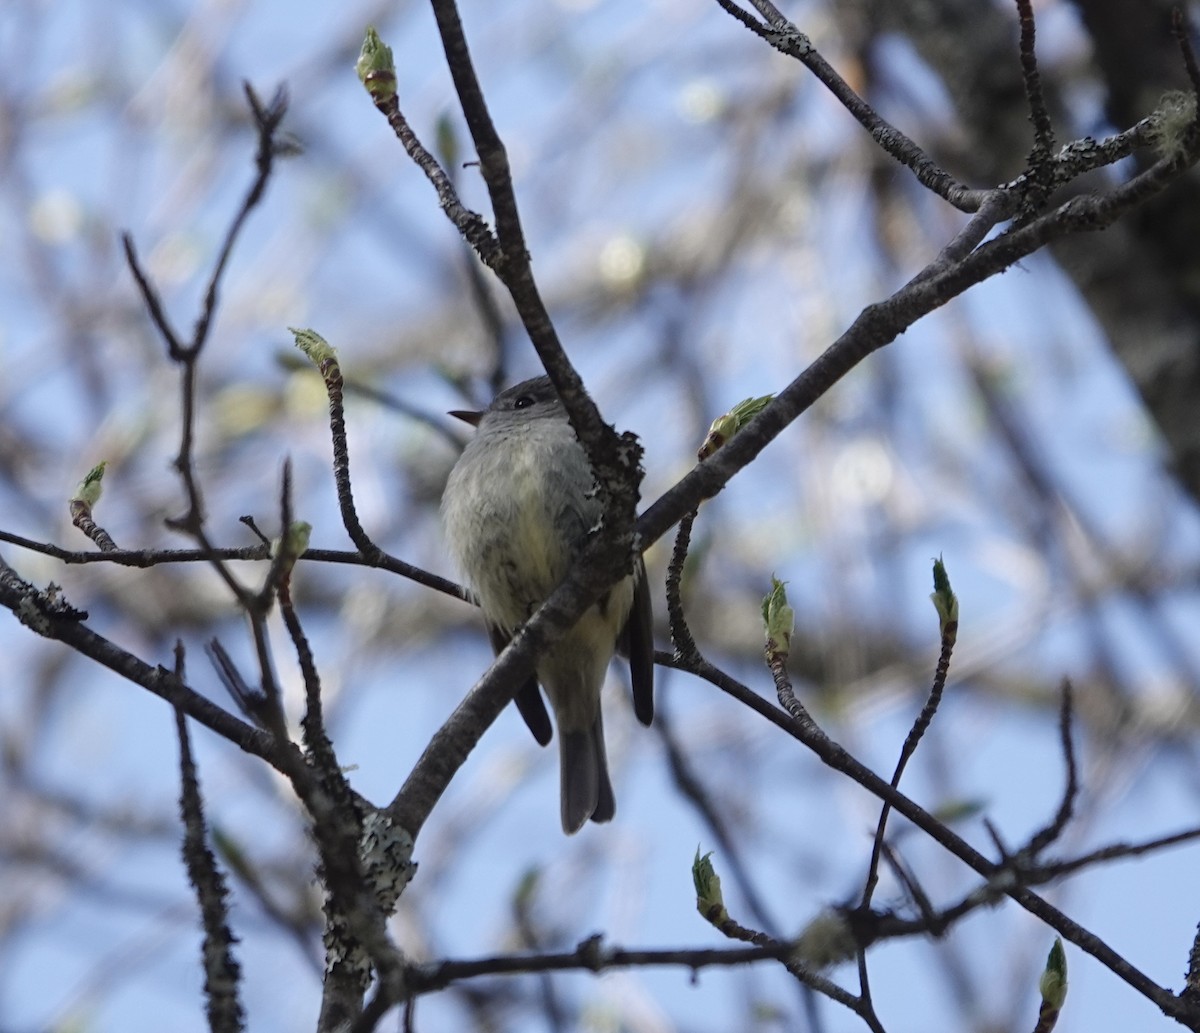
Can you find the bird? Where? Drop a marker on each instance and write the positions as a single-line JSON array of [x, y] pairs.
[[518, 508]]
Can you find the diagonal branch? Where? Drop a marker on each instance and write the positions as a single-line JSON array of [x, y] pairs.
[[615, 458], [44, 615], [789, 40], [1001, 879], [881, 323]]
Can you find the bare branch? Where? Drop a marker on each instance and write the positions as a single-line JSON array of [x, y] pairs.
[[1114, 852], [1049, 834], [948, 613], [615, 458], [267, 119], [222, 974], [681, 635], [473, 227], [838, 758], [47, 616], [1180, 28], [1039, 115], [879, 324], [787, 39], [250, 701], [145, 558]]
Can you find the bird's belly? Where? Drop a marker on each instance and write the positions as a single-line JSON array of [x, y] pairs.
[[520, 555]]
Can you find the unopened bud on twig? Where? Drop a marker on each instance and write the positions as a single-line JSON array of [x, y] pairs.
[[943, 597], [91, 486], [376, 68], [709, 900], [320, 351], [80, 507], [726, 426], [779, 619], [1053, 982]]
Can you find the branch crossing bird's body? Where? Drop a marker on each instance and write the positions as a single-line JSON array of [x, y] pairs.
[[518, 508]]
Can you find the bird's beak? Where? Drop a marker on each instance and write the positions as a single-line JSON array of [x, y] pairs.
[[467, 416]]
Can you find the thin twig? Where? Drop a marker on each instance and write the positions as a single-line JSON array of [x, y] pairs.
[[949, 635], [615, 458], [532, 938], [154, 305], [839, 759], [909, 881], [797, 711], [1046, 836], [331, 373], [81, 517], [729, 927], [267, 119], [681, 635], [222, 973], [1180, 30], [1039, 115], [250, 701], [49, 617], [144, 558], [879, 324], [591, 956], [248, 520], [316, 740], [1116, 851], [789, 40], [473, 227]]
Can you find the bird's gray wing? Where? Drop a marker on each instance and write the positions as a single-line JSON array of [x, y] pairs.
[[528, 698], [637, 643]]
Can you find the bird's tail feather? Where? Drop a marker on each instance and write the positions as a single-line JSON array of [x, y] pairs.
[[586, 789]]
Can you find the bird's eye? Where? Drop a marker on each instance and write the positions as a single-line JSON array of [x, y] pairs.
[[523, 402]]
